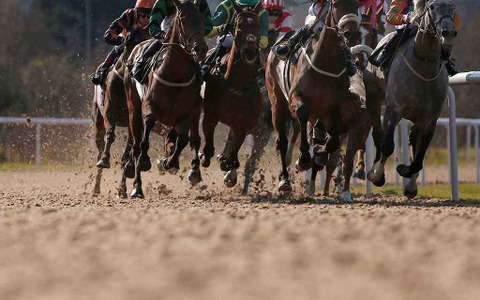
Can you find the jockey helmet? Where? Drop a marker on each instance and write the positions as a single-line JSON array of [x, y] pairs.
[[144, 6], [274, 4]]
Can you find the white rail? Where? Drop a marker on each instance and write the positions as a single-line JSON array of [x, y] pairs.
[[38, 122]]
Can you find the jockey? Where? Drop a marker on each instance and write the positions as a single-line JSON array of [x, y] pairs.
[[130, 19], [399, 15], [222, 24], [312, 24], [163, 13], [278, 18]]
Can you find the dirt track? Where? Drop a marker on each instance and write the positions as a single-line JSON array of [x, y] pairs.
[[57, 242]]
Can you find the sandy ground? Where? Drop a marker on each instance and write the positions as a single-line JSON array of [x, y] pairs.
[[58, 242]]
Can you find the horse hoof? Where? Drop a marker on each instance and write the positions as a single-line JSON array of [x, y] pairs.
[[404, 171], [194, 176], [347, 197], [224, 166], [410, 194], [360, 174], [303, 166], [205, 161], [375, 178], [122, 194], [137, 193], [284, 186], [129, 170], [144, 163], [104, 163], [230, 179], [380, 182], [320, 159]]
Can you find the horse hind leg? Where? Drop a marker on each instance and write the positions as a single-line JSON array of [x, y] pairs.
[[360, 165], [128, 168], [172, 162], [332, 164], [420, 139], [230, 160], [260, 141], [195, 175]]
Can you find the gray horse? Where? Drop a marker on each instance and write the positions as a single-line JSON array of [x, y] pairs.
[[416, 87]]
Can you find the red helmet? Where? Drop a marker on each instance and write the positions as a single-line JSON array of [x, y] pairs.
[[145, 4], [273, 4]]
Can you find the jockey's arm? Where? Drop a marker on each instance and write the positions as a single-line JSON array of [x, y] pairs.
[[222, 14], [263, 16], [123, 23], [286, 26], [207, 15], [161, 9], [394, 15]]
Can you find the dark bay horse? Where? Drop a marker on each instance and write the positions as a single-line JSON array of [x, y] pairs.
[[320, 90], [110, 110], [234, 98], [416, 87], [262, 132], [173, 95]]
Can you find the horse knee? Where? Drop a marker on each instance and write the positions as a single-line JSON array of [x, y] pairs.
[[282, 144]]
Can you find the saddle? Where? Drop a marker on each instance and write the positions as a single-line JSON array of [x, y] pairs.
[[151, 64]]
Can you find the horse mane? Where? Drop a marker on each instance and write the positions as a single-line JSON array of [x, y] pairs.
[[420, 6]]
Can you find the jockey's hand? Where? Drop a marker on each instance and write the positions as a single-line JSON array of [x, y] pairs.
[[263, 42], [158, 34], [406, 19], [226, 28]]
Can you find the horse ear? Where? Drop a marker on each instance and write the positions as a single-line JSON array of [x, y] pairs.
[[257, 7], [237, 7]]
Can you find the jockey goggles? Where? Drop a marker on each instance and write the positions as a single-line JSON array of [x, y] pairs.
[[274, 12]]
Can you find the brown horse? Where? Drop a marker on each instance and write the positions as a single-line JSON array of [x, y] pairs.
[[264, 129], [234, 98], [173, 95], [320, 90], [110, 110]]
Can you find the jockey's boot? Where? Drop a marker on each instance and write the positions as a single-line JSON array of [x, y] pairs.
[[139, 65], [449, 65], [383, 58], [283, 50], [217, 53], [98, 76]]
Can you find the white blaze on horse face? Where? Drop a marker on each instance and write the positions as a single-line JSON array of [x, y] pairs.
[[249, 20], [251, 38]]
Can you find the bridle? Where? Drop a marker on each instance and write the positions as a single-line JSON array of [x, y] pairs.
[[343, 20], [431, 26], [185, 43]]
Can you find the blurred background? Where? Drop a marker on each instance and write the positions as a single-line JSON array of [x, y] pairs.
[[48, 49]]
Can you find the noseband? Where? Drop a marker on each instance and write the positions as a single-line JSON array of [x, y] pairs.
[[431, 27]]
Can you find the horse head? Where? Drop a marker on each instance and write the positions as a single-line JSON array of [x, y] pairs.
[[189, 30], [133, 38], [437, 18], [344, 14], [247, 32]]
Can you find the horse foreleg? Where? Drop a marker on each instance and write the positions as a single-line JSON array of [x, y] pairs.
[[230, 178], [126, 172], [260, 140], [374, 106], [293, 140], [210, 121], [104, 161], [304, 162], [172, 162], [332, 164], [194, 175], [360, 165], [333, 141], [100, 143], [390, 121], [144, 160]]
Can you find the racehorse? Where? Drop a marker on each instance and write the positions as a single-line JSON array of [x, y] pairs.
[[264, 129], [234, 98], [320, 90], [416, 87], [173, 95], [110, 110]]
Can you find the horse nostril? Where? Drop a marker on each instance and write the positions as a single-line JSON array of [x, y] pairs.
[[447, 33]]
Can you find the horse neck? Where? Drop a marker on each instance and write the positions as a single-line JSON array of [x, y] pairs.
[[327, 51], [176, 62], [427, 46], [236, 65]]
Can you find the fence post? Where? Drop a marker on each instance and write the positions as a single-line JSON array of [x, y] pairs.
[[469, 142], [38, 144], [452, 130], [476, 142]]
